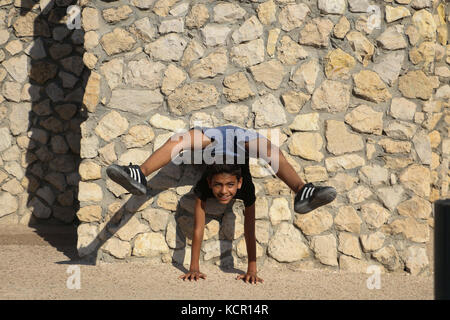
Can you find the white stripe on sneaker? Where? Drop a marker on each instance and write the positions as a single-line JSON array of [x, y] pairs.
[[131, 173], [310, 192], [303, 194], [138, 175]]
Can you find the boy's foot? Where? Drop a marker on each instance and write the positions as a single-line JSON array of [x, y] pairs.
[[130, 177], [311, 197]]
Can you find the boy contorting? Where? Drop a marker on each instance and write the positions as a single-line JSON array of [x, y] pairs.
[[226, 151]]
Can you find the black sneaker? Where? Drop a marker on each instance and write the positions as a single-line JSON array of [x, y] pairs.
[[130, 177], [311, 197]]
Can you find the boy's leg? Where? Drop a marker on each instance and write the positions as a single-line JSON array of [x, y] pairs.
[[177, 143], [284, 171], [133, 177], [287, 174], [308, 196]]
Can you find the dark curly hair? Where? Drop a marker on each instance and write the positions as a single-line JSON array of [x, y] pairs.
[[233, 169]]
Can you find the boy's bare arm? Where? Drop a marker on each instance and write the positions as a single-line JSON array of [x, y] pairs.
[[250, 241], [197, 238]]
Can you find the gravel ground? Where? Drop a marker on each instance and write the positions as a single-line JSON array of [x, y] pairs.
[[34, 263]]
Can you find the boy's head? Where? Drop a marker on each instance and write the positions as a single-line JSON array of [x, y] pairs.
[[224, 180]]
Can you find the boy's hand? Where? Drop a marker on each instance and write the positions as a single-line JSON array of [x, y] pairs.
[[193, 275], [250, 277]]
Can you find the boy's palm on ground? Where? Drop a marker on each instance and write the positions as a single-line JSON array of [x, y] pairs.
[[249, 277], [193, 275]]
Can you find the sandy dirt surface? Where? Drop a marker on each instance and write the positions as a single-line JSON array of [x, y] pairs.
[[34, 265]]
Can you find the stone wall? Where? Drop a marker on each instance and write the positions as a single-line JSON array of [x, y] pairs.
[[357, 89], [42, 80]]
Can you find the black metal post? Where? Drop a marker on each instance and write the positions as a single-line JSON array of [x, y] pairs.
[[442, 249]]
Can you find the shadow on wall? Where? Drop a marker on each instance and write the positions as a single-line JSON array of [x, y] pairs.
[[56, 82], [179, 226]]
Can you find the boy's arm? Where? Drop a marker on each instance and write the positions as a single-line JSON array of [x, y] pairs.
[[250, 238], [197, 238], [250, 241]]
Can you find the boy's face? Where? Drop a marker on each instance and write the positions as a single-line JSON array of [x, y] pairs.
[[224, 186]]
